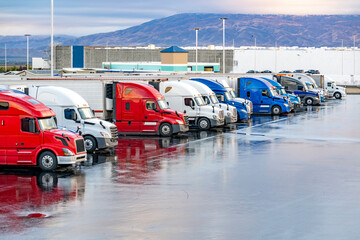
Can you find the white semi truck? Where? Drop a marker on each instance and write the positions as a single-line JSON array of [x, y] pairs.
[[330, 85], [185, 98], [75, 114], [209, 98]]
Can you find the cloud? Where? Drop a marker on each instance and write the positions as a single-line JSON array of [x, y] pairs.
[[91, 16]]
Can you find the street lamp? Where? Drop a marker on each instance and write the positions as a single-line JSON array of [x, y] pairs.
[[196, 49], [223, 20], [254, 52], [5, 59], [354, 54], [52, 39], [27, 50]]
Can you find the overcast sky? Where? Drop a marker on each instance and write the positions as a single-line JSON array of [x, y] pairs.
[[83, 17]]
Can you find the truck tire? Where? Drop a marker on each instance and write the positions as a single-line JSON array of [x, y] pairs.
[[47, 161], [204, 124], [309, 101], [276, 110], [337, 95], [90, 143], [165, 130]]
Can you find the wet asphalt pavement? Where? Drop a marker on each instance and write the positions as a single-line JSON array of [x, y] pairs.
[[289, 177]]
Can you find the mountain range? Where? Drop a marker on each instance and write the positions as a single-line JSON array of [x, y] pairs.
[[241, 30]]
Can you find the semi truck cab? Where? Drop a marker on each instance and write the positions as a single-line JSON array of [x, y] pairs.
[[299, 88], [75, 114], [185, 98], [140, 109], [295, 100], [209, 98], [263, 95], [244, 110], [32, 136]]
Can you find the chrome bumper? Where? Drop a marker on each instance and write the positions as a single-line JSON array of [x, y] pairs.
[[62, 160]]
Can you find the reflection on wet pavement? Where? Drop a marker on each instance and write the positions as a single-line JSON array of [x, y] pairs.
[[288, 177]]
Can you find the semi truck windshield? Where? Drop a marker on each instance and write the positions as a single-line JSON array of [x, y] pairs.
[[213, 99], [162, 104], [47, 123], [86, 113]]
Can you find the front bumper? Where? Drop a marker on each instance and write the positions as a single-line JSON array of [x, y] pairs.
[[217, 123], [65, 160], [180, 128], [106, 142]]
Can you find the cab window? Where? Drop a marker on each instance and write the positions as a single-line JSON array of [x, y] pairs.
[[189, 102], [220, 97], [265, 93], [151, 105], [68, 113], [4, 106], [28, 125]]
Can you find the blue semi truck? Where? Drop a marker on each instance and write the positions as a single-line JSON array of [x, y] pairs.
[[243, 107], [298, 87], [263, 95], [296, 100]]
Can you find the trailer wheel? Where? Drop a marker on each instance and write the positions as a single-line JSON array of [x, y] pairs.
[[337, 95], [165, 130], [90, 143], [276, 110], [204, 124], [47, 161], [309, 101]]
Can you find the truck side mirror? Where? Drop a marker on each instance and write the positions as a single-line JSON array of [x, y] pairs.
[[192, 104], [74, 116]]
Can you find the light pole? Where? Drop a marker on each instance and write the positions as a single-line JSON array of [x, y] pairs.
[[27, 50], [342, 57], [5, 59], [354, 54], [276, 56], [254, 52], [223, 20], [196, 49], [52, 39]]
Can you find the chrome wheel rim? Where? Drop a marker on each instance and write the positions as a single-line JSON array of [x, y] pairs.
[[88, 144], [165, 129], [203, 124], [47, 161]]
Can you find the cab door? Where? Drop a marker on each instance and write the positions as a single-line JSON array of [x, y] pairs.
[[27, 142], [151, 115], [132, 111], [265, 101], [2, 141]]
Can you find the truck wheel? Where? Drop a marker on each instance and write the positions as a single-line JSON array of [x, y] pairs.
[[309, 101], [276, 110], [337, 95], [90, 143], [47, 161], [165, 130], [204, 124]]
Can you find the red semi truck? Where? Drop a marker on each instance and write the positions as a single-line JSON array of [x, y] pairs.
[[29, 135], [139, 109]]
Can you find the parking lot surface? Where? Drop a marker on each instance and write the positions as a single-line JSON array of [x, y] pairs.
[[288, 177]]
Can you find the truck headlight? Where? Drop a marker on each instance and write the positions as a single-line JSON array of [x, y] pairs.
[[67, 152], [229, 114], [286, 105], [105, 135], [179, 121], [215, 117]]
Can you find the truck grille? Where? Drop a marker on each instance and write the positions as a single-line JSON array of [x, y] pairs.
[[114, 132], [221, 114], [80, 145], [186, 120]]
